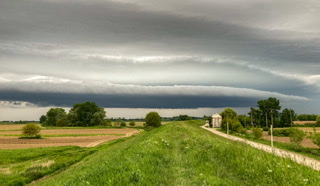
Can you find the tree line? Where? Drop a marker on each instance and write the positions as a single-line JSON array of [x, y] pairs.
[[81, 114], [266, 113], [88, 114]]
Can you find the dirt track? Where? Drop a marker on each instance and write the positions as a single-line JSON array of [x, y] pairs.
[[313, 163]]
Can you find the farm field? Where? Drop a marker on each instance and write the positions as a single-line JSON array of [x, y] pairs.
[[305, 143], [82, 137], [181, 153]]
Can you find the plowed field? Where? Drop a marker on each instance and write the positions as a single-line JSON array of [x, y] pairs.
[[86, 140]]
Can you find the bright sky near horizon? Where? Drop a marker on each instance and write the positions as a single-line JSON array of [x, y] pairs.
[[169, 54]]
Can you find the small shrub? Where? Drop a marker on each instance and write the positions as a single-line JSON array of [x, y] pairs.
[[315, 137], [107, 122], [132, 123], [265, 128], [257, 132], [117, 123], [280, 132], [242, 130], [296, 136], [249, 136], [234, 125], [31, 129], [123, 124]]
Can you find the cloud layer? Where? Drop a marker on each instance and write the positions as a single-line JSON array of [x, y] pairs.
[[170, 54]]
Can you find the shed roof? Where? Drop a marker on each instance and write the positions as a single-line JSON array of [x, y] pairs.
[[216, 115]]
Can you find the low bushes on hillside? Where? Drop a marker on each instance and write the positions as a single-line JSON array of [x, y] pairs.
[[315, 137], [286, 132], [233, 124], [280, 132], [296, 136]]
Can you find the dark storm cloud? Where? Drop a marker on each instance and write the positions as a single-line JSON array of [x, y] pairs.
[[131, 101], [98, 50]]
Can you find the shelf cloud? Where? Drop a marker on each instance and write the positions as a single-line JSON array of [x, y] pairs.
[[160, 54]]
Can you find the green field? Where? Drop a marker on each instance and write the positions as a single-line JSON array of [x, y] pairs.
[[21, 166], [180, 153]]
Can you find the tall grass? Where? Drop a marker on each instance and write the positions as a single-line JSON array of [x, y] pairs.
[[183, 154]]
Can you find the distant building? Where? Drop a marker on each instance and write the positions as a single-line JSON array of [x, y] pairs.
[[216, 120]]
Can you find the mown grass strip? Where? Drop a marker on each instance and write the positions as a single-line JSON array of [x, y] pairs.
[[184, 154]]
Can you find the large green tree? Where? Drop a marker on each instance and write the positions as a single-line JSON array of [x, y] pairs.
[[244, 120], [55, 117], [270, 109], [229, 113], [287, 116], [86, 114], [153, 119], [255, 115], [43, 119]]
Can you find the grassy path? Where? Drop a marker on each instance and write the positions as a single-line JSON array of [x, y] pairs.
[[183, 154], [310, 162]]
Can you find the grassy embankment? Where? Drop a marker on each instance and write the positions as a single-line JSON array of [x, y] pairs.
[[183, 154]]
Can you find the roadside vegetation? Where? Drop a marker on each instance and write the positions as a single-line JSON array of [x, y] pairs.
[[181, 153], [266, 114]]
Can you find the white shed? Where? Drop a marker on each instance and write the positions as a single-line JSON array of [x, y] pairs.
[[216, 120]]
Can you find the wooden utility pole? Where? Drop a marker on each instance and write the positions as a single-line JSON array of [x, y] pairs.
[[271, 128], [227, 126]]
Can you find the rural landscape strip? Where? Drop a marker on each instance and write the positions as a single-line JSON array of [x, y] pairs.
[[310, 162], [67, 135], [182, 153]]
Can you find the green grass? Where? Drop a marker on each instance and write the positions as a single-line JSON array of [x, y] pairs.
[[183, 154], [67, 135], [21, 166]]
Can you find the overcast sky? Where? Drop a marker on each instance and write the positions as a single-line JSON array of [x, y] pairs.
[[158, 54]]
